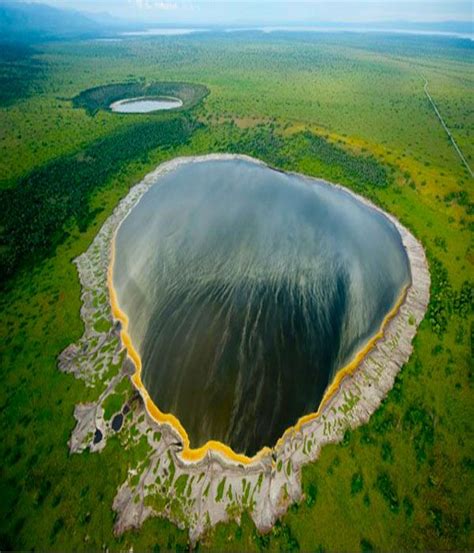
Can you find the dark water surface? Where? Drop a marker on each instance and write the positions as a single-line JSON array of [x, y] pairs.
[[247, 289]]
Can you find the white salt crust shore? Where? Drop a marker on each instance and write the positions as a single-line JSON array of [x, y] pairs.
[[218, 488]]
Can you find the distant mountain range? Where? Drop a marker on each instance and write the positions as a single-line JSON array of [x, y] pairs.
[[31, 22]]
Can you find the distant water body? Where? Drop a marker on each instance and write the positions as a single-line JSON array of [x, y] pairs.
[[301, 29], [145, 105], [339, 29], [247, 289], [164, 31]]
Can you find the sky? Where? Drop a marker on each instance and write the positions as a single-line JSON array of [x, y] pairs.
[[272, 12]]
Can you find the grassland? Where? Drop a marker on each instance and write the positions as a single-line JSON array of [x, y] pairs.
[[350, 108]]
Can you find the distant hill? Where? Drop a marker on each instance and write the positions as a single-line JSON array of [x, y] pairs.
[[30, 22]]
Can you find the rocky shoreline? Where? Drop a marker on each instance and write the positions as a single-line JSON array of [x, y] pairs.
[[198, 493]]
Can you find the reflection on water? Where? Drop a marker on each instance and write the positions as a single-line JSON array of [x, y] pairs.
[[145, 105], [247, 289]]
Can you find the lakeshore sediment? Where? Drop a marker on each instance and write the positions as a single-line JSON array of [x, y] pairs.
[[273, 475]]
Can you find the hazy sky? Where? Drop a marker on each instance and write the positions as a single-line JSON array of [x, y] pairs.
[[269, 11]]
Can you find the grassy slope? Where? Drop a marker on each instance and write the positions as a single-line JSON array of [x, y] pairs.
[[401, 482]]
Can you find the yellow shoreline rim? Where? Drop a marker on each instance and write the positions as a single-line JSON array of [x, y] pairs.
[[197, 454]]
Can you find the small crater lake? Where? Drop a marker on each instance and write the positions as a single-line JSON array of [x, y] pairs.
[[247, 289], [145, 105]]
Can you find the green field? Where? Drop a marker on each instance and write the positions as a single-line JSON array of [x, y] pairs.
[[347, 107]]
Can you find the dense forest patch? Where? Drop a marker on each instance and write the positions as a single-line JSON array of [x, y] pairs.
[[19, 72], [101, 97], [333, 162]]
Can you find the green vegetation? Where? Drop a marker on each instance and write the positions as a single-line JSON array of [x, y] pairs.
[[349, 108], [180, 484], [357, 483], [20, 72], [287, 152], [112, 404], [386, 488], [34, 214], [220, 489]]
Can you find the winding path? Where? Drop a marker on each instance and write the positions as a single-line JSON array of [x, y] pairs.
[[448, 132]]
